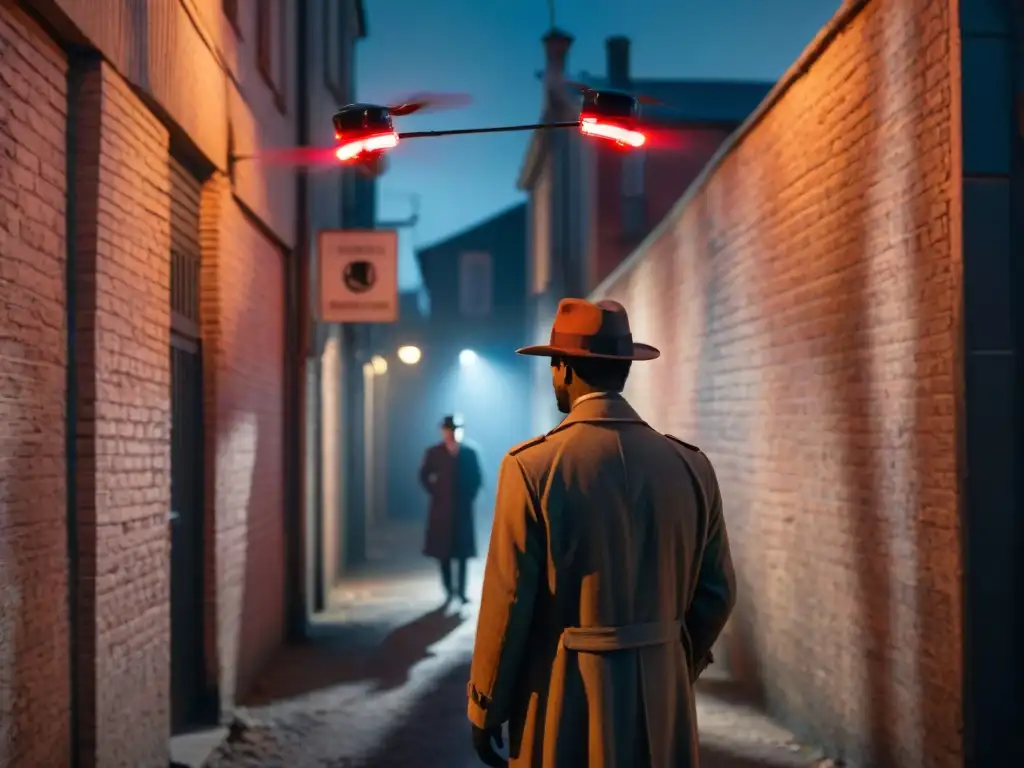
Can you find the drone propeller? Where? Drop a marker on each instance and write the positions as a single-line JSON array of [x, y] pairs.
[[641, 99], [420, 102]]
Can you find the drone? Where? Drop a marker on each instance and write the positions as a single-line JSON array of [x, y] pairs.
[[366, 132]]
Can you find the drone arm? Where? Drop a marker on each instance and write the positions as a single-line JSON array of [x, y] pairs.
[[499, 129]]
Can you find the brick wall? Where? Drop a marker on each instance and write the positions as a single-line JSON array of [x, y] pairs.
[[806, 300], [122, 275], [34, 697], [243, 317]]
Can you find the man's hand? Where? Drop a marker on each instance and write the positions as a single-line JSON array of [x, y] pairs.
[[482, 738]]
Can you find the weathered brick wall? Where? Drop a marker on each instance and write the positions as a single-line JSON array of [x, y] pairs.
[[806, 300], [122, 283], [34, 689], [243, 318]]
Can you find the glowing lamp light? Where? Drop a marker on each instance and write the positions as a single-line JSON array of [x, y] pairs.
[[380, 142], [590, 126], [409, 354], [379, 365], [467, 357]]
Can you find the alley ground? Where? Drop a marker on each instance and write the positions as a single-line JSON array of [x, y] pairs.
[[384, 684]]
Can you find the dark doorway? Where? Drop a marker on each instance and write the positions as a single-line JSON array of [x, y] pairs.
[[188, 708]]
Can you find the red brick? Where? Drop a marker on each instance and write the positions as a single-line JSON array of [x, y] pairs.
[[806, 300], [122, 270], [34, 672]]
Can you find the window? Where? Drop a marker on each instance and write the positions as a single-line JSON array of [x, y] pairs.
[[231, 11], [475, 284], [272, 46], [634, 204], [337, 47]]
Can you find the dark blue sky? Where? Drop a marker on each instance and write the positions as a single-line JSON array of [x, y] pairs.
[[491, 50]]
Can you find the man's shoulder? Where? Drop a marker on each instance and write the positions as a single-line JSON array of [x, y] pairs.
[[689, 446], [698, 461], [525, 446]]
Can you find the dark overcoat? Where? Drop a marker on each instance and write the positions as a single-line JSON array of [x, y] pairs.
[[608, 579], [453, 482]]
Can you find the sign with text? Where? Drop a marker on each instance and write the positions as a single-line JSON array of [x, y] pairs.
[[358, 275]]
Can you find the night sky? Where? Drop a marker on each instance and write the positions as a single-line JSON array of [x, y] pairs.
[[491, 50]]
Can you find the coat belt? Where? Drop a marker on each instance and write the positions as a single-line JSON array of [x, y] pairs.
[[608, 639]]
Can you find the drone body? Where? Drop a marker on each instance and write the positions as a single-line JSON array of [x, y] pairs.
[[362, 118], [364, 133], [611, 115]]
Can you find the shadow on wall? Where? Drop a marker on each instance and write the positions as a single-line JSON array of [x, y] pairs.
[[243, 357], [258, 393]]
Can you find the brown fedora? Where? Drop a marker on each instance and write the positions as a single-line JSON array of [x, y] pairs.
[[585, 329]]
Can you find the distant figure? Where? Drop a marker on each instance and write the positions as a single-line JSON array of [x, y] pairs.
[[451, 474], [608, 575]]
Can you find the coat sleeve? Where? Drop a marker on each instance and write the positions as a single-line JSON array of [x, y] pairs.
[[515, 561], [426, 471], [715, 593]]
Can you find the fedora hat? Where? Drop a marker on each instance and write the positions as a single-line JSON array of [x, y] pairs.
[[587, 329], [450, 422]]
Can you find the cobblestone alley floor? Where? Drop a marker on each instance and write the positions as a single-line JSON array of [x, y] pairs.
[[383, 685]]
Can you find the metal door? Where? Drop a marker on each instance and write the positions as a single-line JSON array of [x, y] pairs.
[[186, 516]]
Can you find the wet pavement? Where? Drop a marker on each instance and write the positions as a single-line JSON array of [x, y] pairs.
[[383, 684]]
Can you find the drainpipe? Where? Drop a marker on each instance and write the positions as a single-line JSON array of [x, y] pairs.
[[74, 86], [297, 313]]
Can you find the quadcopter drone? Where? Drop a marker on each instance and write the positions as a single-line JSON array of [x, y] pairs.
[[366, 132]]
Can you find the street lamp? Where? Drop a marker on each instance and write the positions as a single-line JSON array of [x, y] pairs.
[[379, 365], [467, 357], [409, 354]]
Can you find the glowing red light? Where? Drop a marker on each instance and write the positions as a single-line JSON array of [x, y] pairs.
[[380, 142], [590, 126]]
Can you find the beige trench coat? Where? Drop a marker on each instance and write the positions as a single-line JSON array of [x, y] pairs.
[[608, 579]]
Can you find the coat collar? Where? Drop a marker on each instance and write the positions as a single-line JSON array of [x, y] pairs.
[[603, 408]]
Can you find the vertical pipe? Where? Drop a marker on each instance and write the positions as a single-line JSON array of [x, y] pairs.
[[297, 329], [74, 86]]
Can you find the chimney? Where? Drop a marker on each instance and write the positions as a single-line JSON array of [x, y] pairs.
[[618, 61], [556, 50]]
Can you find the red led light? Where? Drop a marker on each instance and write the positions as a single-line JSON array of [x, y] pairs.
[[380, 142], [590, 126]]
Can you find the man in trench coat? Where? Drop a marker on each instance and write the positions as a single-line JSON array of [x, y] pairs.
[[608, 576], [451, 474]]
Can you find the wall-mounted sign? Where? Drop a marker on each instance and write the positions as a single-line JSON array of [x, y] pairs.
[[358, 276]]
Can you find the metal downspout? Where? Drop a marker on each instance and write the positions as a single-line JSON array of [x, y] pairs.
[[297, 329]]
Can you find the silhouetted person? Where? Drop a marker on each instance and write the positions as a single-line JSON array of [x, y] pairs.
[[608, 576], [451, 475]]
